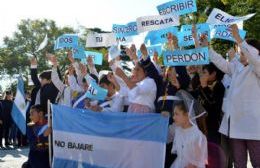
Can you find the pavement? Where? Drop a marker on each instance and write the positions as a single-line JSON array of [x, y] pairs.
[[13, 157]]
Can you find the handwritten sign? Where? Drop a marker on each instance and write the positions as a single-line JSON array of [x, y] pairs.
[[198, 56], [149, 23]]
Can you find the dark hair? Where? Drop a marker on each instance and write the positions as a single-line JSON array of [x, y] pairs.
[[104, 80], [212, 68], [181, 105], [46, 75], [254, 42], [94, 77], [38, 108], [8, 92]]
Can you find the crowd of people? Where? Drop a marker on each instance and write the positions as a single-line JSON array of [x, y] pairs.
[[213, 109]]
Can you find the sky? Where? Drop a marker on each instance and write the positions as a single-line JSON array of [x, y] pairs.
[[95, 13]]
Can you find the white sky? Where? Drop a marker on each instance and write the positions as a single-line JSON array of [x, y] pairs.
[[94, 13]]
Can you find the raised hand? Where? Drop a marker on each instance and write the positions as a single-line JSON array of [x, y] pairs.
[[235, 33], [204, 40], [33, 61], [144, 51], [70, 57]]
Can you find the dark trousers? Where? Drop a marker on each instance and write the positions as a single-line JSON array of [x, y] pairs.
[[1, 134], [6, 132], [240, 148]]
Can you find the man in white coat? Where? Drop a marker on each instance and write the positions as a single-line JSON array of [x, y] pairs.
[[241, 121]]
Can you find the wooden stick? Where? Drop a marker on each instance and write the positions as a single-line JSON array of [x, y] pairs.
[[49, 138]]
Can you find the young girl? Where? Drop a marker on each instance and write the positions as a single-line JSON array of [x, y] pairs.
[[142, 90], [189, 143], [211, 94]]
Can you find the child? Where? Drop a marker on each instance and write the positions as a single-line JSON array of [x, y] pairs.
[[211, 94], [189, 143], [39, 154]]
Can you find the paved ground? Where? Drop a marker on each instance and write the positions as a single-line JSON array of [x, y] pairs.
[[13, 157]]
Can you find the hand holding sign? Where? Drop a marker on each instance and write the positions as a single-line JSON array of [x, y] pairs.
[[235, 33], [70, 57], [83, 69], [144, 51], [204, 40], [33, 61]]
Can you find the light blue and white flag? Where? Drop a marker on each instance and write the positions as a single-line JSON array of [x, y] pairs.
[[96, 56], [82, 138], [159, 36], [198, 56], [223, 32], [19, 107], [157, 22], [218, 17], [129, 29], [178, 7], [66, 41], [78, 52]]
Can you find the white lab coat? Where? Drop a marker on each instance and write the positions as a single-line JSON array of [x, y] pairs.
[[243, 99]]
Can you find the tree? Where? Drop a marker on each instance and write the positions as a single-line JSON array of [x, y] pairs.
[[26, 39]]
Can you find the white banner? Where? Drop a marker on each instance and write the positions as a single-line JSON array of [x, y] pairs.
[[218, 17], [149, 23], [100, 40], [106, 40]]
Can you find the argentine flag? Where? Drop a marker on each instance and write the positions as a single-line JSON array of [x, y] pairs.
[[20, 107], [87, 139]]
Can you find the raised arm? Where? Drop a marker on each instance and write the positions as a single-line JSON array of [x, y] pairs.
[[249, 51], [34, 72], [55, 76]]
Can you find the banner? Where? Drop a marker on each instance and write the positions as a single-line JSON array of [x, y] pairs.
[[96, 92], [185, 35], [159, 36], [149, 23], [82, 138], [78, 52], [218, 17], [66, 41], [222, 32], [100, 39], [198, 56], [129, 29], [96, 56], [179, 7], [106, 40]]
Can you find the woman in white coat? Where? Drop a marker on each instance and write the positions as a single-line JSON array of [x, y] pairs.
[[241, 121]]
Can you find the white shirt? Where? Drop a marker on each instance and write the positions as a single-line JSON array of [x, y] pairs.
[[144, 93], [190, 145], [116, 104], [243, 99]]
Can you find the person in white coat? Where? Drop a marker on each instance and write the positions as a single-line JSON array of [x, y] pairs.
[[241, 121]]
